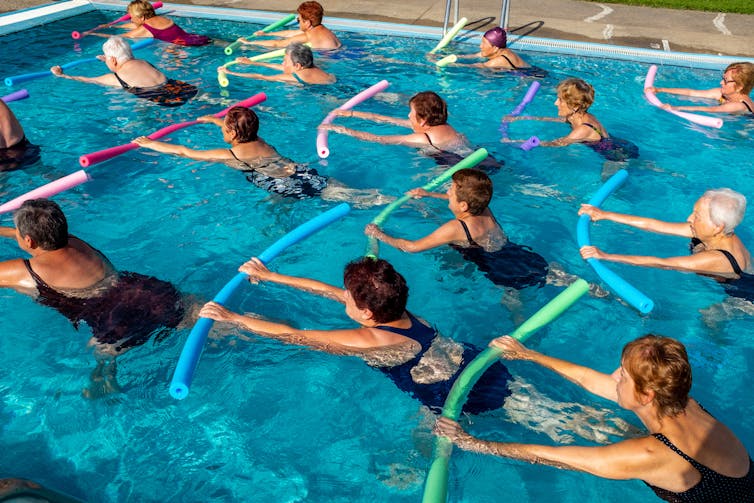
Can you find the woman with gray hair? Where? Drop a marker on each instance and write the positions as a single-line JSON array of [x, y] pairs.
[[298, 67], [136, 76], [716, 251]]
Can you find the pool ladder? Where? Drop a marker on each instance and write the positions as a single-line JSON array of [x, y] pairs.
[[504, 12]]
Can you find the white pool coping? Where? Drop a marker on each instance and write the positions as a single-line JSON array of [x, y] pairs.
[[22, 20]]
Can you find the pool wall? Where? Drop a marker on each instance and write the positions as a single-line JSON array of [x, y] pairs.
[[21, 20]]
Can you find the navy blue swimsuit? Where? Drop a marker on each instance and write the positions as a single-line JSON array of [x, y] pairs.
[[489, 393], [713, 487], [513, 265]]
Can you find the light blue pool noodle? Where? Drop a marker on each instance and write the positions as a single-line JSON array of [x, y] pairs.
[[17, 79], [620, 286], [436, 485], [192, 349]]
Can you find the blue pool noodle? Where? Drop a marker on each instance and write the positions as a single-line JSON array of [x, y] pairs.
[[17, 79], [192, 349], [620, 286]]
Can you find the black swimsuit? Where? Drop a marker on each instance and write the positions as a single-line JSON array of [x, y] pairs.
[[489, 164], [303, 183], [612, 149], [513, 265], [171, 93], [18, 155], [127, 311], [488, 393], [713, 486], [741, 287]]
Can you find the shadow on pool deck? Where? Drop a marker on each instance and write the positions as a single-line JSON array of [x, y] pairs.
[[689, 31]]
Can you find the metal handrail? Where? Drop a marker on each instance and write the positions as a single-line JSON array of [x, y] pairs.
[[504, 14]]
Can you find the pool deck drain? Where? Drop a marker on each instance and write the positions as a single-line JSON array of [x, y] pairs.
[[644, 27]]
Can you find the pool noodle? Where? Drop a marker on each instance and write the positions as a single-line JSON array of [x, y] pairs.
[[192, 349], [15, 96], [322, 149], [47, 190], [452, 58], [449, 36], [77, 35], [620, 286], [529, 144], [273, 26], [468, 162], [528, 97], [17, 79], [87, 160], [702, 120], [436, 484], [222, 77]]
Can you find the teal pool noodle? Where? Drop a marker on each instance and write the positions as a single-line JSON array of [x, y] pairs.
[[192, 349]]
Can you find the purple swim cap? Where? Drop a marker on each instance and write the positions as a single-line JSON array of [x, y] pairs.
[[496, 36]]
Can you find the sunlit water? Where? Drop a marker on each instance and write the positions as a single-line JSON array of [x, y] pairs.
[[270, 422]]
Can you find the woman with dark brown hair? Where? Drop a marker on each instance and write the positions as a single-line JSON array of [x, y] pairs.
[[688, 455]]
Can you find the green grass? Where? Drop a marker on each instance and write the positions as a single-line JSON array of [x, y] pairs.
[[733, 6]]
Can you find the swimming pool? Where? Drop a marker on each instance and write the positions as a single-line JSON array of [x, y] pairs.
[[269, 422]]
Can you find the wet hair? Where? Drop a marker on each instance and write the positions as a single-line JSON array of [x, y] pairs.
[[430, 107], [497, 37], [43, 221], [141, 8], [117, 48], [576, 93], [659, 364], [726, 208], [375, 285], [742, 74], [474, 188], [312, 12], [300, 55], [243, 123]]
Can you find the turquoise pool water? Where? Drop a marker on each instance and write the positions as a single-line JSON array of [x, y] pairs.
[[269, 422]]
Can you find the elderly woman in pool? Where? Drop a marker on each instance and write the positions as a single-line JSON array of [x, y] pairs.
[[136, 76], [402, 346], [575, 96], [732, 95], [716, 250], [311, 31], [146, 23], [297, 68], [427, 118], [494, 48], [688, 455]]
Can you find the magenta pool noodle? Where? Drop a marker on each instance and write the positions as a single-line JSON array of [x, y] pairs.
[[87, 160]]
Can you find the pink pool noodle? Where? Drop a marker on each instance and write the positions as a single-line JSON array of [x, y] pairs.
[[77, 35], [702, 120], [48, 190], [18, 95], [103, 155], [364, 95]]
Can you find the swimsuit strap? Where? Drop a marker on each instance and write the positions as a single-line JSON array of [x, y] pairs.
[[595, 129], [509, 61], [40, 282], [703, 470], [295, 76], [747, 106], [430, 142], [733, 262], [239, 160], [123, 84], [468, 234]]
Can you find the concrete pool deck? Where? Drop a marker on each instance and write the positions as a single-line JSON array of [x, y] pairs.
[[645, 27]]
